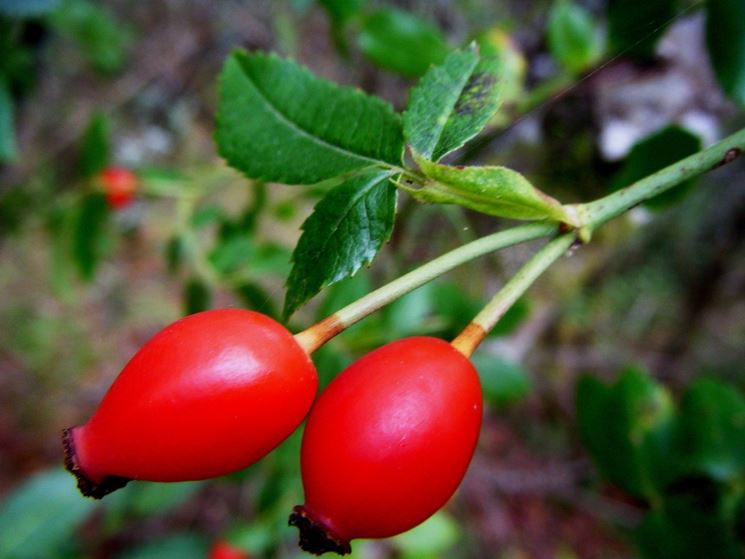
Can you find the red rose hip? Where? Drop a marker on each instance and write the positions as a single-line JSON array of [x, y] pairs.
[[223, 550], [119, 185], [387, 443], [208, 395]]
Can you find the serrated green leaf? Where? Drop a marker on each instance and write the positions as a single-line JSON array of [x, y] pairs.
[[41, 515], [635, 30], [26, 8], [712, 430], [95, 149], [401, 42], [7, 124], [725, 38], [278, 122], [502, 382], [344, 233], [497, 191], [654, 152], [573, 37], [452, 103], [89, 234]]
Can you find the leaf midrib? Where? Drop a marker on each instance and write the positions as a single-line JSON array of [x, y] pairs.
[[296, 127], [359, 195]]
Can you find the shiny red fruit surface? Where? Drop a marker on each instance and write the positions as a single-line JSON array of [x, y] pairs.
[[387, 443], [119, 185], [223, 550], [208, 395]]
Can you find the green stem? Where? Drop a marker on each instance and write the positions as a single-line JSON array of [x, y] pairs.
[[318, 334], [467, 341], [595, 214]]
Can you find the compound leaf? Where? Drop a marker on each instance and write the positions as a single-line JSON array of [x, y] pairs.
[[279, 122], [452, 103], [344, 232]]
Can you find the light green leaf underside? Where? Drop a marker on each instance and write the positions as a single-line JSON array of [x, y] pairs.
[[452, 103], [279, 122], [344, 233], [497, 191]]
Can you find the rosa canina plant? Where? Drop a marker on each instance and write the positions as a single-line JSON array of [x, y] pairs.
[[216, 391]]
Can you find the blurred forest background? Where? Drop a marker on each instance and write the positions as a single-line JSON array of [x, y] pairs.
[[596, 97]]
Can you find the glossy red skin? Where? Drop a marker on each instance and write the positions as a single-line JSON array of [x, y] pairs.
[[119, 186], [223, 550], [390, 439], [208, 395]]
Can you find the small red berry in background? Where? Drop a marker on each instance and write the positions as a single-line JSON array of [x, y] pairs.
[[223, 550], [387, 443], [206, 396], [119, 185]]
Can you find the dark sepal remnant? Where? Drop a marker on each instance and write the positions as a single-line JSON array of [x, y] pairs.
[[87, 487], [316, 538]]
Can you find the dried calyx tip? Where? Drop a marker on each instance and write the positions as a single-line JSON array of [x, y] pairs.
[[316, 538], [87, 487]]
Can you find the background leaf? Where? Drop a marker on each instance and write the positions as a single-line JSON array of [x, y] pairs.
[[686, 528], [344, 232], [197, 296], [7, 123], [635, 31], [102, 38], [628, 429], [502, 382], [90, 234], [495, 191], [452, 103], [279, 122], [401, 42], [41, 515], [725, 39], [654, 152], [342, 10], [95, 150], [712, 430], [573, 37], [26, 8], [432, 538], [177, 546]]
